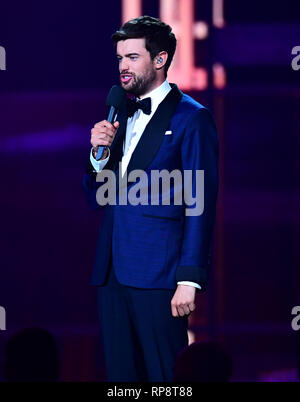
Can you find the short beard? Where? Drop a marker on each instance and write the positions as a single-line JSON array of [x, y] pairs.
[[142, 84]]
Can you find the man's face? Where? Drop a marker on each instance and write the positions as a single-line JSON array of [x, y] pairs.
[[137, 72]]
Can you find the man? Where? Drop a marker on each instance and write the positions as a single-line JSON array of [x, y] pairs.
[[151, 257]]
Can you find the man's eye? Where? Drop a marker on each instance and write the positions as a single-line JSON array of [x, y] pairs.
[[133, 57]]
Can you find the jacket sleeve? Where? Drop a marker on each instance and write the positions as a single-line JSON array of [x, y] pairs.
[[90, 186], [199, 151]]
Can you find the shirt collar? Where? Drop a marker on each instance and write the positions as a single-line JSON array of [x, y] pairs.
[[158, 94]]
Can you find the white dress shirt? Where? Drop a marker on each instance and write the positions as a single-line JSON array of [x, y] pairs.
[[134, 130]]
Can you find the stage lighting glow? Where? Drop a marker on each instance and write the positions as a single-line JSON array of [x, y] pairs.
[[219, 76], [131, 9], [180, 15], [191, 337], [200, 30], [218, 13]]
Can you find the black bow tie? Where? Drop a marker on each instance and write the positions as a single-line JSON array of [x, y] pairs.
[[133, 106]]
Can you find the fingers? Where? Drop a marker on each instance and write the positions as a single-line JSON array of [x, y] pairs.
[[103, 133], [174, 310], [183, 301], [181, 309], [192, 307], [107, 124]]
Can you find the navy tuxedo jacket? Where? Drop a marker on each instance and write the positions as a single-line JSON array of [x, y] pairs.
[[154, 246]]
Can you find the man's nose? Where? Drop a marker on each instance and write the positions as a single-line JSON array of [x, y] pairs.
[[123, 65]]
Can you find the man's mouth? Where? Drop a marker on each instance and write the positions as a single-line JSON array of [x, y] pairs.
[[125, 78]]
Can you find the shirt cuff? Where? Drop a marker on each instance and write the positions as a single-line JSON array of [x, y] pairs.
[[188, 283], [98, 165]]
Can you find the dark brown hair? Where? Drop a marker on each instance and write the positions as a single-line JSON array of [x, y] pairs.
[[158, 36]]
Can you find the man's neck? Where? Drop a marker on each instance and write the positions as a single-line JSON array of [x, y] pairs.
[[156, 85]]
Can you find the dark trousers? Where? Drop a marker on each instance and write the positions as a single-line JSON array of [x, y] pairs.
[[141, 338]]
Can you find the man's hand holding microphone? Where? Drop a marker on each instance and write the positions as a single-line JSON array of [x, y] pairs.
[[103, 133]]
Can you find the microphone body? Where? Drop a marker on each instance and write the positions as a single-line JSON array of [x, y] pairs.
[[115, 99]]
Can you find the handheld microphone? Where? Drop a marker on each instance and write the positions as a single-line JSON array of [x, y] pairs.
[[115, 99]]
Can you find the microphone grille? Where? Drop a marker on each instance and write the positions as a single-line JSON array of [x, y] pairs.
[[116, 96]]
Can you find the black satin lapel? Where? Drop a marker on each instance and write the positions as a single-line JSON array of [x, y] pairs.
[[154, 132]]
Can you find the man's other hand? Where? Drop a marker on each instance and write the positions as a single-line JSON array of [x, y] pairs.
[[183, 301]]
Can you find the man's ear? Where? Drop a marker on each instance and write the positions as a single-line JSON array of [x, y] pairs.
[[160, 59]]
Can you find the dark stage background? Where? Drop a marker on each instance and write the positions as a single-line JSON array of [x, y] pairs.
[[60, 64]]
